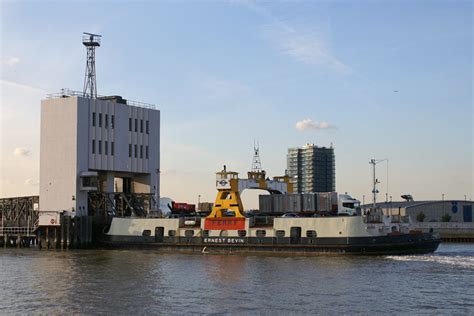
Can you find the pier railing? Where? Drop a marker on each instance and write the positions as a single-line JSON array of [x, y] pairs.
[[18, 231]]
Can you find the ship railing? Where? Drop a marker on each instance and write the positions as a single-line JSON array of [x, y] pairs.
[[468, 226], [373, 218], [400, 219]]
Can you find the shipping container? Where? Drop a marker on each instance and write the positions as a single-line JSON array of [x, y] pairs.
[[293, 203], [298, 202], [205, 206], [265, 203], [333, 201], [326, 201], [308, 200], [278, 203], [322, 202], [183, 207]]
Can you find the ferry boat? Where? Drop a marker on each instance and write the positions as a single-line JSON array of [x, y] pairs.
[[227, 229], [339, 234]]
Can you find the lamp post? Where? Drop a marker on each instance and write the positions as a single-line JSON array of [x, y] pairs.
[[442, 198], [391, 208], [157, 189]]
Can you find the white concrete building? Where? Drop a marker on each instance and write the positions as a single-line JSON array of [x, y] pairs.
[[106, 144]]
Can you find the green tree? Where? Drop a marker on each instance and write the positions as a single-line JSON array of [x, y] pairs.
[[420, 217], [446, 218]]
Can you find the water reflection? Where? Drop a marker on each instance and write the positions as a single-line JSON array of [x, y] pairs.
[[129, 282]]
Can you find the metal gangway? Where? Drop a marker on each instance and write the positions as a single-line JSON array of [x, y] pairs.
[[18, 220]]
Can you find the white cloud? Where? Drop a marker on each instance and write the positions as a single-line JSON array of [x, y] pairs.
[[31, 182], [309, 49], [10, 61], [21, 86], [310, 124], [304, 46], [22, 152]]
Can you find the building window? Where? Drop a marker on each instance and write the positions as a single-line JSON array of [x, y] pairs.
[[147, 127], [141, 126], [136, 125], [311, 234], [93, 119], [100, 147], [130, 124], [280, 233], [112, 121], [100, 119], [141, 151], [261, 233], [146, 152], [93, 146], [106, 121], [112, 150], [189, 233], [106, 148], [146, 233], [171, 233], [130, 150], [136, 150]]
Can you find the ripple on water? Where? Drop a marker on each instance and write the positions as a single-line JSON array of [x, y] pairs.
[[131, 282]]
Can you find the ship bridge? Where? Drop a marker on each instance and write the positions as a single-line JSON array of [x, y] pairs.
[[228, 202]]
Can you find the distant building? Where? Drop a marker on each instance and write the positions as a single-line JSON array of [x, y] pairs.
[[459, 211], [312, 169], [104, 144]]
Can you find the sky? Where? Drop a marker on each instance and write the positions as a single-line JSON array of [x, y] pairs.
[[374, 79]]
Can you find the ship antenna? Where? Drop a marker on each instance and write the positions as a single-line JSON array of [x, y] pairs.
[[256, 164]]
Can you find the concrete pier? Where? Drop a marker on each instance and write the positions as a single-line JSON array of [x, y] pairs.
[[73, 232], [450, 231]]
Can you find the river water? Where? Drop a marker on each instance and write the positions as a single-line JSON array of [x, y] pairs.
[[149, 282]]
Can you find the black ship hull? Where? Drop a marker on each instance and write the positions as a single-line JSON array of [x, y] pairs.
[[405, 244]]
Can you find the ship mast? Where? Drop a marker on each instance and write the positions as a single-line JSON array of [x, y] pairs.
[[374, 162], [256, 164]]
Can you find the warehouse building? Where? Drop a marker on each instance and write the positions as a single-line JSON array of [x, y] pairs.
[[459, 211], [312, 169], [100, 144]]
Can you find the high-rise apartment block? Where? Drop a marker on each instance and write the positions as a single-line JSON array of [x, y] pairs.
[[312, 169]]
